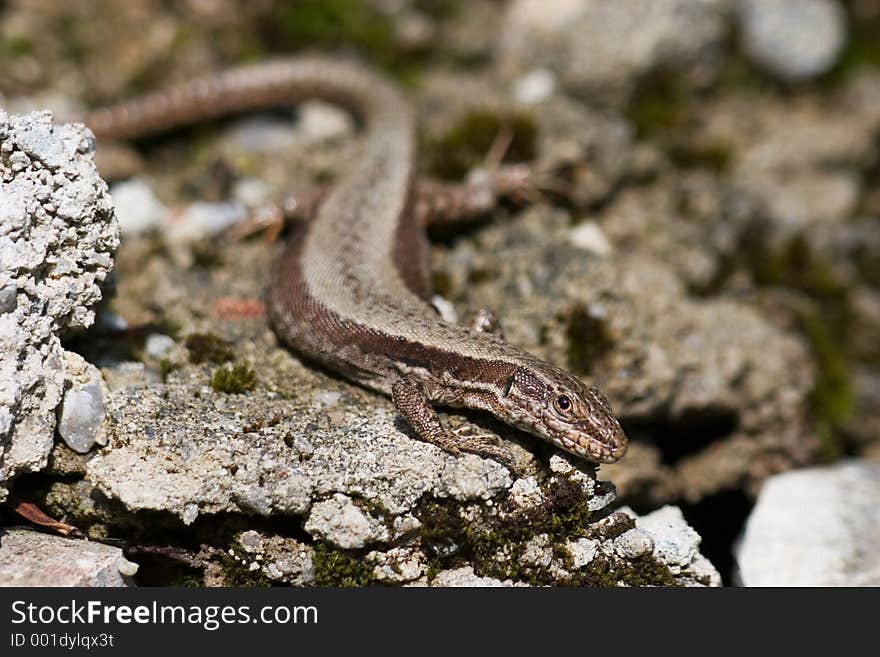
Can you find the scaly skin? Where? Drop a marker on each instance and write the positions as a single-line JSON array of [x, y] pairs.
[[351, 289]]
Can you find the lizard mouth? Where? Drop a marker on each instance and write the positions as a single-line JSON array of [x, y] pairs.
[[600, 450]]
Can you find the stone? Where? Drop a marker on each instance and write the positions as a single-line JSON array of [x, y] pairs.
[[792, 39], [29, 558], [58, 238], [814, 527], [600, 49]]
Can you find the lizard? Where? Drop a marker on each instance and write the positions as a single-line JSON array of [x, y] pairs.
[[351, 290]]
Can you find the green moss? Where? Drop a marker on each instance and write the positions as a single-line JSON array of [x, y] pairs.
[[331, 24], [588, 339], [441, 283], [660, 105], [340, 568], [793, 265], [482, 275], [494, 539], [237, 572], [862, 52], [18, 45], [208, 348], [831, 399], [465, 145], [714, 156], [166, 367], [233, 380], [644, 571]]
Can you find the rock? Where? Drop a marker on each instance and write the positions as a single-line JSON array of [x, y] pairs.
[[182, 448], [339, 520], [600, 49], [534, 87], [589, 237], [29, 558], [792, 39], [157, 346], [280, 559], [138, 208], [58, 236], [675, 544], [82, 410], [814, 527], [465, 577]]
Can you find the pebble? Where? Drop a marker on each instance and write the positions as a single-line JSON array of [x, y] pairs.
[[81, 416], [137, 207], [793, 39]]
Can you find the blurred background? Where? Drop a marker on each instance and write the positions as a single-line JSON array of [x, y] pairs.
[[722, 156]]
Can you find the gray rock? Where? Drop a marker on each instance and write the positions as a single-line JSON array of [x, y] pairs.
[[677, 545], [792, 39], [138, 208], [58, 236], [601, 48], [341, 521], [815, 527], [82, 411], [29, 558], [465, 577]]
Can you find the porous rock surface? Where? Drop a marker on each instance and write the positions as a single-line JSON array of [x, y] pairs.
[[30, 558], [58, 235], [814, 527]]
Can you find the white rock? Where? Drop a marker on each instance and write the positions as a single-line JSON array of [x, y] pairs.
[[341, 521], [137, 207], [82, 413], [589, 236], [321, 122], [634, 543], [601, 48], [158, 345], [58, 235], [793, 39], [464, 576], [534, 87], [29, 558], [583, 551], [815, 527]]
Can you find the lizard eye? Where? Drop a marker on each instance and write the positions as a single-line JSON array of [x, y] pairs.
[[563, 403]]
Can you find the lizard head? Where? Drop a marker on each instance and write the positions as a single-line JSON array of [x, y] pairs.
[[551, 403]]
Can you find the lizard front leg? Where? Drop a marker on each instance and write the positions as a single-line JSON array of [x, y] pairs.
[[414, 405]]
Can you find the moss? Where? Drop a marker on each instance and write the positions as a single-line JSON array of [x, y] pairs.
[[441, 283], [715, 156], [208, 348], [331, 24], [643, 571], [659, 105], [18, 45], [237, 572], [465, 145], [794, 265], [588, 339], [862, 51], [233, 380], [832, 399], [166, 367], [494, 539], [340, 568], [206, 254], [482, 275]]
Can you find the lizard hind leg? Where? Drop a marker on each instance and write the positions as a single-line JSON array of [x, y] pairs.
[[412, 403]]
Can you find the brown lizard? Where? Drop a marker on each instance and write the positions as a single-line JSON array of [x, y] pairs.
[[351, 290]]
